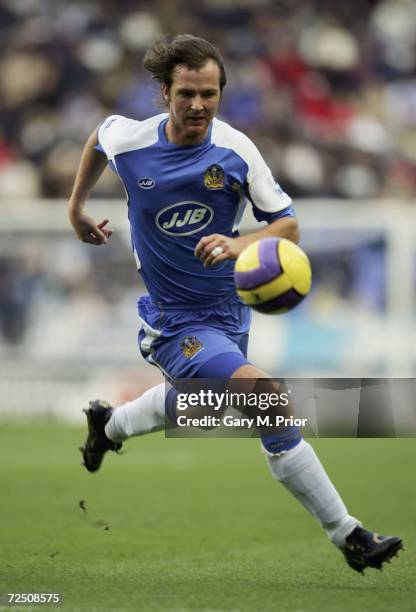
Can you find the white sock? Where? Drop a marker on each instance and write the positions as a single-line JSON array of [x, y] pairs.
[[303, 475], [140, 416]]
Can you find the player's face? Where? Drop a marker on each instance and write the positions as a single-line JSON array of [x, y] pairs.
[[193, 100]]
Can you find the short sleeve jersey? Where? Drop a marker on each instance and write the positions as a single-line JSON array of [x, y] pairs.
[[177, 194]]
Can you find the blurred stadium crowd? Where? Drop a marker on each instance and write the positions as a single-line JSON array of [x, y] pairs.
[[326, 89]]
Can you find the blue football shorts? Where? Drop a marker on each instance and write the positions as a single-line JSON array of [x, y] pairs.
[[203, 343]]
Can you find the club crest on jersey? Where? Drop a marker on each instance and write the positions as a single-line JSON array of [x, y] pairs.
[[214, 177], [146, 183], [184, 218], [190, 346]]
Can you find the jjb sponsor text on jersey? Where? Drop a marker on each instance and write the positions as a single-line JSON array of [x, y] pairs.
[[184, 218]]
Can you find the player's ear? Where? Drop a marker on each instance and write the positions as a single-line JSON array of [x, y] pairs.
[[165, 93]]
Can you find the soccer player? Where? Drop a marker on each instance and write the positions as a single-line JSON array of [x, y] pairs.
[[188, 176]]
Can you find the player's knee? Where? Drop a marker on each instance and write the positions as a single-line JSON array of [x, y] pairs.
[[247, 370]]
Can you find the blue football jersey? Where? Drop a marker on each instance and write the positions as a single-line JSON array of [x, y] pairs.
[[177, 194]]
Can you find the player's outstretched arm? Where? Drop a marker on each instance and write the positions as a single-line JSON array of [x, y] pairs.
[[215, 248], [285, 227], [90, 169]]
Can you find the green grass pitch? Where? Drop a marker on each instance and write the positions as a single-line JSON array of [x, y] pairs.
[[195, 524]]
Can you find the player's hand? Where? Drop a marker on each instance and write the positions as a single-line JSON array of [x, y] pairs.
[[215, 248], [88, 231]]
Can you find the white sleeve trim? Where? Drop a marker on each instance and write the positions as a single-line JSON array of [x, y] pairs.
[[265, 193], [118, 134]]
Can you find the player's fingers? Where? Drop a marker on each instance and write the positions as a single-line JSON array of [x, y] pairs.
[[98, 238], [203, 243], [99, 235], [102, 225], [216, 255], [200, 247], [208, 253], [89, 239], [106, 231], [219, 259], [216, 242], [93, 236]]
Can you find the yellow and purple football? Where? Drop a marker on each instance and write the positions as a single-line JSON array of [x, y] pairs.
[[273, 275]]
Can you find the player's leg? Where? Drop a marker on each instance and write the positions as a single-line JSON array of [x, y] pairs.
[[109, 427], [142, 415], [294, 463], [156, 408], [178, 356]]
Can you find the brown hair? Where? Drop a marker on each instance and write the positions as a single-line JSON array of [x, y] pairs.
[[191, 51]]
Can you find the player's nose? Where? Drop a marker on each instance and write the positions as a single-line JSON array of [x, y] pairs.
[[197, 104]]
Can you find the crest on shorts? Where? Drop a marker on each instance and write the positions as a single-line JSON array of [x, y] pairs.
[[214, 177], [190, 346]]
